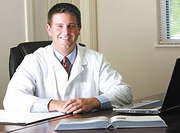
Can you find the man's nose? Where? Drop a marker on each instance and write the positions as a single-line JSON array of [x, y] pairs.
[[65, 30]]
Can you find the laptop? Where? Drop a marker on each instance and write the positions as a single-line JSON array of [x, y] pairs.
[[171, 100]]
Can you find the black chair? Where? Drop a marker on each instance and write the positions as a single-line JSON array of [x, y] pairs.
[[18, 53]]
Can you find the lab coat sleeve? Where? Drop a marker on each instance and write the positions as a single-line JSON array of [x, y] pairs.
[[105, 103], [21, 88], [112, 85], [40, 106]]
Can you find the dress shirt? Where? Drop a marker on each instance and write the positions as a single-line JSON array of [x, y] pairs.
[[41, 105]]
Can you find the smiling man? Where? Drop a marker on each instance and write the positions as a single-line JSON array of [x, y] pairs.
[[64, 31], [65, 76]]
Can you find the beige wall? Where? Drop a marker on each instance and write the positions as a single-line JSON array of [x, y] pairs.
[[11, 33], [127, 34]]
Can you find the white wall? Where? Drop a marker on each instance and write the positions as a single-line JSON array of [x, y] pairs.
[[127, 34], [11, 33]]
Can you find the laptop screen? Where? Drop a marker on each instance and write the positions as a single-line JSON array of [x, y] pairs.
[[172, 98]]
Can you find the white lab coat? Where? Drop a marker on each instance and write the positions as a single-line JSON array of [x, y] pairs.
[[41, 75]]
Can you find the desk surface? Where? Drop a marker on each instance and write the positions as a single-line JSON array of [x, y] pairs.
[[172, 119]]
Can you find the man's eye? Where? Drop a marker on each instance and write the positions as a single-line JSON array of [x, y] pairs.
[[59, 26], [71, 26]]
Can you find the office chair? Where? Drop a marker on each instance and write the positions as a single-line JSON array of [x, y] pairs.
[[18, 53]]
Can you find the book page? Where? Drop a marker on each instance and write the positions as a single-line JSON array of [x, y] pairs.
[[135, 118], [123, 121], [84, 120], [100, 122], [10, 117]]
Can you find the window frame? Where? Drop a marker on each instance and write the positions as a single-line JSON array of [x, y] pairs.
[[164, 25]]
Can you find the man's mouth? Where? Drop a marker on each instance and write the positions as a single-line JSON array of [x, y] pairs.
[[64, 38]]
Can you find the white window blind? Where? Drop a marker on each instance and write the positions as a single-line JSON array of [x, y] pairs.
[[169, 22]]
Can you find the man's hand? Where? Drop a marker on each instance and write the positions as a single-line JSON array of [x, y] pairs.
[[80, 105], [74, 106], [56, 105]]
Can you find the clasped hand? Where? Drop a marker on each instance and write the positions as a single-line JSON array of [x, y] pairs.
[[75, 106]]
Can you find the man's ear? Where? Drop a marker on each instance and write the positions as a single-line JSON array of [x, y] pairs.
[[79, 31], [48, 28]]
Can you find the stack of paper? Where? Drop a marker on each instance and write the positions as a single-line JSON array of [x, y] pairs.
[[8, 117]]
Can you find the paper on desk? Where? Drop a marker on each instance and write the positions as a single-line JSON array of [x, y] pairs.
[[19, 118]]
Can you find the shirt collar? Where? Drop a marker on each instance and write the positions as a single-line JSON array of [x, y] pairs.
[[71, 56]]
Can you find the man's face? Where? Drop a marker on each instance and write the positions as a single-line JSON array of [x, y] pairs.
[[64, 32]]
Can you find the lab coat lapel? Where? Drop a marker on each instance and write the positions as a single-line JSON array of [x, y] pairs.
[[60, 74], [79, 64], [77, 68]]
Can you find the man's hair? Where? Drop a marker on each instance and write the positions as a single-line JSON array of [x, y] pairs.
[[65, 8]]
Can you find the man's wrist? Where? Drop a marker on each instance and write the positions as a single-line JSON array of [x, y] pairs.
[[96, 102], [55, 105], [104, 102]]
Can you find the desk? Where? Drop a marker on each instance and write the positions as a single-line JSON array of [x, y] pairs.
[[172, 119]]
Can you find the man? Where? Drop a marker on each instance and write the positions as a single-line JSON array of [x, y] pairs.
[[85, 83]]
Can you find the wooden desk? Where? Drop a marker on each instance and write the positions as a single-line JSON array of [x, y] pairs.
[[172, 119]]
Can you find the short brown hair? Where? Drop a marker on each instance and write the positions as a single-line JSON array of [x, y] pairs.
[[65, 8]]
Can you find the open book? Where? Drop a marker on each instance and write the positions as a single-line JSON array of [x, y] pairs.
[[19, 118], [118, 121]]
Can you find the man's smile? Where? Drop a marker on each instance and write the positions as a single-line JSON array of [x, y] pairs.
[[65, 38]]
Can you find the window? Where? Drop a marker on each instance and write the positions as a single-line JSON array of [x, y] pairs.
[[169, 22]]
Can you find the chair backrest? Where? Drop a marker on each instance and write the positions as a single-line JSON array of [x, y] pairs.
[[18, 53]]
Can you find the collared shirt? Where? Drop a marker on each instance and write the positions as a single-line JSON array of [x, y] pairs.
[[71, 56], [41, 105]]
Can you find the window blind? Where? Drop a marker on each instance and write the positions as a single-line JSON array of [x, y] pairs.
[[169, 22]]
